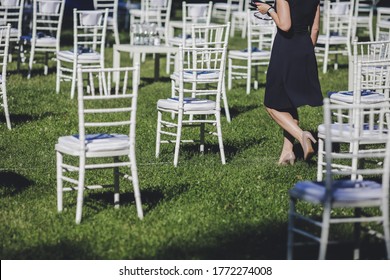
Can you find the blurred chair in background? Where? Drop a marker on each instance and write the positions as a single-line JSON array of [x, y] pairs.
[[89, 39]]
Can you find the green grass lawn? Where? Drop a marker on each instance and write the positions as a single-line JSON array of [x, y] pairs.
[[199, 210]]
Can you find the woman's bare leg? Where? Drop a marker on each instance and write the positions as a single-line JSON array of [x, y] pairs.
[[288, 121]]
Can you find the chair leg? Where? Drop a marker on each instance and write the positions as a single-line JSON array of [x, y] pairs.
[[219, 134], [324, 233], [46, 65], [116, 184], [371, 31], [58, 78], [248, 77], [290, 232], [168, 64], [356, 232], [355, 161], [158, 133], [320, 159], [201, 137], [173, 95], [225, 102], [80, 190], [386, 228], [31, 61], [232, 27], [116, 34], [134, 176], [325, 62], [5, 105], [244, 28], [74, 77], [178, 137], [59, 182], [230, 70]]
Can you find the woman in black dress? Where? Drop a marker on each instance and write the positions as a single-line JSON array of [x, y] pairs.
[[292, 76]]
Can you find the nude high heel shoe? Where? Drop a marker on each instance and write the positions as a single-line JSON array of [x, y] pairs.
[[308, 150], [288, 158]]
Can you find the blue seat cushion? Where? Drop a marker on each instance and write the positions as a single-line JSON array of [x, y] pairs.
[[342, 190]]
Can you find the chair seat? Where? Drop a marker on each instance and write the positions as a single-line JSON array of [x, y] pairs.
[[14, 31], [82, 58], [110, 21], [240, 14], [190, 104], [136, 12], [243, 54], [343, 191], [384, 23], [365, 97], [46, 42], [139, 13], [199, 75], [344, 132], [178, 40], [94, 143], [334, 39]]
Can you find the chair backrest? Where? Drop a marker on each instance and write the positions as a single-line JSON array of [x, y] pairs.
[[11, 12], [338, 18], [371, 50], [195, 13], [239, 3], [4, 47], [198, 67], [89, 31], [370, 121], [209, 36], [372, 76], [382, 24], [47, 19], [111, 5], [157, 12], [114, 109], [260, 32]]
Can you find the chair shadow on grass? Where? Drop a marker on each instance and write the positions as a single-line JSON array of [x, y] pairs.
[[35, 72], [17, 119], [149, 198], [261, 242], [188, 150], [12, 183], [237, 110], [145, 81], [63, 250]]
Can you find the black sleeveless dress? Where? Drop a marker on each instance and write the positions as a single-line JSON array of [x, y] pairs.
[[292, 76]]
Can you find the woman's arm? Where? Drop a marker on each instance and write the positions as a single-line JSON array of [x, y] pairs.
[[315, 28], [282, 18]]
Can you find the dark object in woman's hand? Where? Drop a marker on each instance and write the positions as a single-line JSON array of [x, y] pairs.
[[253, 3]]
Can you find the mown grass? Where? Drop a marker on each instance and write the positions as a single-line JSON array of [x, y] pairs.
[[199, 210]]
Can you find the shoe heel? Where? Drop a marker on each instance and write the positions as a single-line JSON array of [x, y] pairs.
[[307, 148], [310, 136]]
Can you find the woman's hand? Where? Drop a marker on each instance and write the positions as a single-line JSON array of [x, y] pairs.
[[262, 7]]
